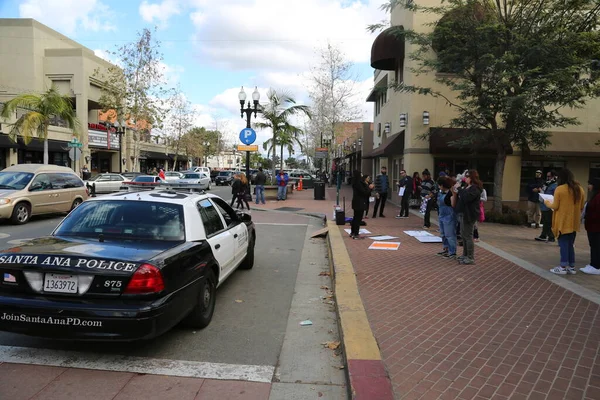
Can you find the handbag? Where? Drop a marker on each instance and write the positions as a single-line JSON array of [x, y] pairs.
[[481, 212]]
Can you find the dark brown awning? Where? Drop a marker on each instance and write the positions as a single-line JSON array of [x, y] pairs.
[[393, 146], [6, 143], [388, 49], [442, 141]]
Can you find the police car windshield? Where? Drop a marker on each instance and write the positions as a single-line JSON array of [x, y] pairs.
[[14, 180], [125, 220]]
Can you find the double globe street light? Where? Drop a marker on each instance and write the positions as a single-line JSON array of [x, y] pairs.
[[248, 111]]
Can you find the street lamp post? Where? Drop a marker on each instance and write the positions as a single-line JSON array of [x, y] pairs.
[[121, 132], [207, 145], [248, 111]]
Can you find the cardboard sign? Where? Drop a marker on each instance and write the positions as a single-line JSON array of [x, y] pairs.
[[384, 246]]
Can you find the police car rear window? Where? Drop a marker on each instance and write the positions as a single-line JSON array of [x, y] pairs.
[[123, 220]]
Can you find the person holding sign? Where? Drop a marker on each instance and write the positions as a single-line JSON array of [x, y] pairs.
[[405, 192]]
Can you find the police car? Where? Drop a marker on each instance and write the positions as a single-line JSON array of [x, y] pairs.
[[126, 266]]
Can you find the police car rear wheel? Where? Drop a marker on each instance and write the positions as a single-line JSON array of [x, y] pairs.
[[248, 262], [202, 314]]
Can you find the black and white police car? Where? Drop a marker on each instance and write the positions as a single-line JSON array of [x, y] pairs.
[[126, 266]]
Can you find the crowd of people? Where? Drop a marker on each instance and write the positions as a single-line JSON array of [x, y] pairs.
[[459, 200]]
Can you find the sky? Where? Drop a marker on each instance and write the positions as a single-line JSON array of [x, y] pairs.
[[213, 47]]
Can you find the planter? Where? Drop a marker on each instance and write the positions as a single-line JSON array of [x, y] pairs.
[[271, 191]]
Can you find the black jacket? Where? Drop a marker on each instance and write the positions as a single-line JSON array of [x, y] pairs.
[[235, 186], [260, 179], [467, 203], [534, 184], [407, 183], [360, 195], [379, 183]]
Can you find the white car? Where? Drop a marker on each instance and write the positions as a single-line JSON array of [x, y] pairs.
[[204, 170], [106, 183], [196, 178], [173, 176]]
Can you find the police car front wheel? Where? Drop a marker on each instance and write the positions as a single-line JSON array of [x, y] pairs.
[[202, 314]]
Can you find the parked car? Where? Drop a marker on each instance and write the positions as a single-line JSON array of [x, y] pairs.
[[131, 175], [204, 170], [196, 178], [106, 183], [308, 181], [173, 176], [34, 189], [143, 182], [126, 267], [224, 178]]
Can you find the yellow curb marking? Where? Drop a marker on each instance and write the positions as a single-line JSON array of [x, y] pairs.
[[359, 342]]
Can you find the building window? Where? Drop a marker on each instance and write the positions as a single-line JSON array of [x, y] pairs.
[[399, 74]]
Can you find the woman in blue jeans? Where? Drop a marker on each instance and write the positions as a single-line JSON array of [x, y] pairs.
[[447, 217]]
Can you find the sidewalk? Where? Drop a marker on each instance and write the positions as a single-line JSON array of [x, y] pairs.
[[494, 330]]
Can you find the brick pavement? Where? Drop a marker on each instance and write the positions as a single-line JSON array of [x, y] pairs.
[[56, 383], [494, 330]]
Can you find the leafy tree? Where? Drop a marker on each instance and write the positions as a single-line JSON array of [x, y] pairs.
[[179, 120], [289, 137], [41, 109], [512, 68], [292, 163], [192, 143], [135, 88], [276, 114]]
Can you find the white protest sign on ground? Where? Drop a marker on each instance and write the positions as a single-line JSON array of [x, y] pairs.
[[360, 232], [429, 239], [384, 237], [417, 233], [384, 246]]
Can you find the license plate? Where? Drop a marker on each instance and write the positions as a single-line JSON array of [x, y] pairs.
[[60, 283]]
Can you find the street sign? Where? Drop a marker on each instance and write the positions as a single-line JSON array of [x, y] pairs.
[[74, 154], [241, 147], [247, 136], [75, 143], [321, 152]]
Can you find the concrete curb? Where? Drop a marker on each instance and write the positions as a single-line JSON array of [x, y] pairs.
[[366, 372]]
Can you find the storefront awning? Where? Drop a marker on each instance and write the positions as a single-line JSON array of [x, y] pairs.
[[155, 155], [38, 145], [394, 145], [446, 141], [388, 49], [6, 143]]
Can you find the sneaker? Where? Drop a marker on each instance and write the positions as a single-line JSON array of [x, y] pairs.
[[398, 216], [450, 256], [559, 270], [425, 227], [442, 253], [551, 240], [476, 240], [381, 216], [467, 261], [460, 258], [588, 269], [365, 217], [571, 271], [541, 239]]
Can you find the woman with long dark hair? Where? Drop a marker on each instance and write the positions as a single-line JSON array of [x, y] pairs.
[[243, 191], [592, 226], [360, 199], [567, 205], [465, 200], [368, 181]]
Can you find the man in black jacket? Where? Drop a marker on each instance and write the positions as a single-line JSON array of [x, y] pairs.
[[405, 182], [382, 185], [259, 185]]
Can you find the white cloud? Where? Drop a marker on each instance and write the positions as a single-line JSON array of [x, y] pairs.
[[171, 74], [68, 16], [161, 12], [280, 35]]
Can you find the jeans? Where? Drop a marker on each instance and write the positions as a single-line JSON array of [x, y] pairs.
[[404, 204], [381, 200], [281, 192], [566, 242], [547, 228], [355, 225], [467, 228], [260, 194], [594, 239], [428, 209], [448, 231]]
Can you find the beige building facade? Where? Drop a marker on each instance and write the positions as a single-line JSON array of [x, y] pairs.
[[35, 57], [408, 127]]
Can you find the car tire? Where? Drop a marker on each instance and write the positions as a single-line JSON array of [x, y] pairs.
[[248, 262], [209, 186], [202, 313], [76, 204], [21, 213]]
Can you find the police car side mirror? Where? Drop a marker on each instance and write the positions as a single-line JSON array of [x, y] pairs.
[[244, 217]]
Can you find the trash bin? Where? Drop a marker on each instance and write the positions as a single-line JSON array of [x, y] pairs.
[[319, 190]]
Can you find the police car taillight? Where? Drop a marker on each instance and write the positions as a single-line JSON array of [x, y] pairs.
[[147, 279]]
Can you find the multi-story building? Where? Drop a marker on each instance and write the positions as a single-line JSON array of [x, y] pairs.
[[403, 121], [35, 57]]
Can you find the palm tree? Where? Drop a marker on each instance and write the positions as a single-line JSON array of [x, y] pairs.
[[276, 113], [289, 137], [41, 110]]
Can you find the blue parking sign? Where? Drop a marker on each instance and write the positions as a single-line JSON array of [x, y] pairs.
[[247, 136]]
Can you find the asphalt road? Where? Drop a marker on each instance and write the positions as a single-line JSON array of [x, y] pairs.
[[247, 332]]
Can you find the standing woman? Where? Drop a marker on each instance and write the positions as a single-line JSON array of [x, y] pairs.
[[592, 226], [465, 201], [235, 188], [360, 199], [416, 182], [243, 191], [367, 180], [566, 219]]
